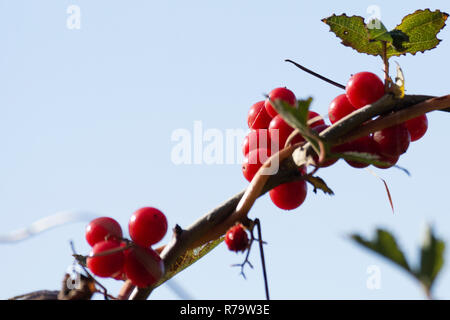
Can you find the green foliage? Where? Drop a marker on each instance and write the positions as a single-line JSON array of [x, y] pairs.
[[384, 244], [431, 258], [417, 32]]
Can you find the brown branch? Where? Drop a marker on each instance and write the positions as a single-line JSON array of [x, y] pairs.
[[216, 222]]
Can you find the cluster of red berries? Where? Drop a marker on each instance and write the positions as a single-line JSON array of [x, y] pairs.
[[122, 259], [269, 133], [388, 144]]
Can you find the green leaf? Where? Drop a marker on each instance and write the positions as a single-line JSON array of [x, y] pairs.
[[297, 119], [421, 29], [303, 108], [432, 258], [187, 259], [384, 244], [354, 33], [378, 32], [361, 157], [417, 32]]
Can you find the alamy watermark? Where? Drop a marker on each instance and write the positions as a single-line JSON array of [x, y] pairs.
[[373, 281], [73, 21], [215, 146]]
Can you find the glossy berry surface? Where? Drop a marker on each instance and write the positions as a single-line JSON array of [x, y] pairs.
[[280, 131], [282, 94], [101, 229], [236, 238], [392, 141], [143, 266], [364, 88], [339, 108], [258, 118], [389, 161], [289, 196], [147, 226], [417, 127], [107, 265], [253, 161], [256, 139]]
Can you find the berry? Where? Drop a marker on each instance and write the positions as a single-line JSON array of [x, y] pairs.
[[253, 161], [256, 139], [318, 122], [327, 162], [417, 127], [392, 141], [339, 108], [283, 94], [364, 88], [108, 265], [147, 226], [236, 238], [101, 229], [143, 266], [280, 131], [258, 118], [289, 195]]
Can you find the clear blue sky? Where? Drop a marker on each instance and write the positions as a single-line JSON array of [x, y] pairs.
[[86, 118]]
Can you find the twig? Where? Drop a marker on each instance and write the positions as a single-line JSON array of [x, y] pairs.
[[334, 83], [263, 260]]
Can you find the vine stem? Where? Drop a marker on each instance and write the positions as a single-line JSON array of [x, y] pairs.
[[386, 66], [263, 260], [315, 74]]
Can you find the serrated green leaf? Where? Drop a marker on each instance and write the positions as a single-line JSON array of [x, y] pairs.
[[353, 33], [431, 260], [378, 32], [384, 244], [187, 259], [417, 32], [421, 29]]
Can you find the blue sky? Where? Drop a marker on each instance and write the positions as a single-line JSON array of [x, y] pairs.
[[86, 118]]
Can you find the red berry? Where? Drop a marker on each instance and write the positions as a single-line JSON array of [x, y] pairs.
[[339, 108], [280, 131], [283, 94], [417, 127], [289, 195], [253, 161], [392, 141], [314, 115], [258, 118], [101, 229], [143, 266], [327, 162], [108, 265], [364, 88], [256, 139], [236, 238], [147, 226]]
